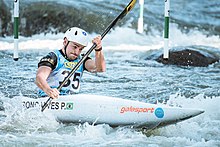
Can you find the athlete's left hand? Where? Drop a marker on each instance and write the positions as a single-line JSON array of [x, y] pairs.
[[97, 40]]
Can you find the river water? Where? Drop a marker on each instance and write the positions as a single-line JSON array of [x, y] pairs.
[[132, 73]]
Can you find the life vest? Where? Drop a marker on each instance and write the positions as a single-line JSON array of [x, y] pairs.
[[61, 71]]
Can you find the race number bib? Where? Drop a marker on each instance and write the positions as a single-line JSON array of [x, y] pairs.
[[73, 83]]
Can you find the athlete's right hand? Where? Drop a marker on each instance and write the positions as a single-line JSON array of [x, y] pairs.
[[53, 93]]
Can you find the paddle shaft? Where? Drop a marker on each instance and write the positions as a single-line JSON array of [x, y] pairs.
[[111, 25]]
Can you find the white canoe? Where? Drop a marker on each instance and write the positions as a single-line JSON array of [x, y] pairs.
[[110, 110]]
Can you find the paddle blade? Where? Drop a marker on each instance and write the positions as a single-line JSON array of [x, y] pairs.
[[120, 16], [130, 5], [128, 8]]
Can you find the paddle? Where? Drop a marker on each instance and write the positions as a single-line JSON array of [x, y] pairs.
[[111, 25]]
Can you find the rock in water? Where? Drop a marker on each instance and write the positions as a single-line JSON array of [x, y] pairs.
[[188, 57]]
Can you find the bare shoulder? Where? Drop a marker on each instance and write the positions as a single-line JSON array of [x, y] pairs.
[[44, 69]]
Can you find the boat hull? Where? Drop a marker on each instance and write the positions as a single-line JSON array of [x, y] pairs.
[[97, 109]]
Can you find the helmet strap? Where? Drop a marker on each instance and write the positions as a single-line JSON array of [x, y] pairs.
[[65, 50]]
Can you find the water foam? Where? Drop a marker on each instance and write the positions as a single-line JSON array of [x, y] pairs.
[[119, 38]]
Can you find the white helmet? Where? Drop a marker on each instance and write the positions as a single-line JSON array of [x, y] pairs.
[[77, 35]]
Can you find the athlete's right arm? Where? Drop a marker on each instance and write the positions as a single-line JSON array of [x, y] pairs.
[[41, 81], [45, 67]]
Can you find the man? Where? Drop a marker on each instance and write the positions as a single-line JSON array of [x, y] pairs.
[[53, 68]]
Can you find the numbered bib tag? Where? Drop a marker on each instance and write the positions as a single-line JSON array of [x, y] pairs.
[[73, 84]]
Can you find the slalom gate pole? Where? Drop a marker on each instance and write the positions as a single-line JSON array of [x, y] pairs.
[[166, 29], [16, 21], [141, 17]]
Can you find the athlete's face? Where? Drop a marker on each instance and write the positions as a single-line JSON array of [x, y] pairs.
[[73, 50]]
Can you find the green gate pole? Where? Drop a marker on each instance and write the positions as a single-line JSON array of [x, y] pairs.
[[166, 29], [16, 19]]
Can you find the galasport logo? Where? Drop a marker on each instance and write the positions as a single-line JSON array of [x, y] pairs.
[[136, 109]]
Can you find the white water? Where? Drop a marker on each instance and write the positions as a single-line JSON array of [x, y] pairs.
[[118, 39], [35, 129]]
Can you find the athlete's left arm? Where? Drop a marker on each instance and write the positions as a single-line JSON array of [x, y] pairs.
[[99, 64]]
